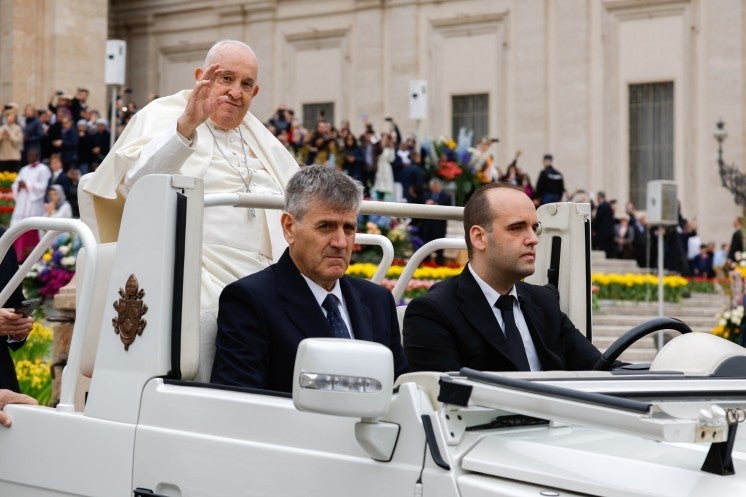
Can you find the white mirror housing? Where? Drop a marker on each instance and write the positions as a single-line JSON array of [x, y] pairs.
[[343, 377]]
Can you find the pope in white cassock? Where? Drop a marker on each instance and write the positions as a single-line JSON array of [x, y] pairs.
[[207, 132]]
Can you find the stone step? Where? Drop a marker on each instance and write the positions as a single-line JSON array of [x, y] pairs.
[[600, 264], [629, 323], [682, 313], [615, 331], [614, 318]]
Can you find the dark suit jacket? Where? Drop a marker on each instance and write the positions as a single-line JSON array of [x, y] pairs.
[[8, 266], [432, 229], [453, 326], [263, 317]]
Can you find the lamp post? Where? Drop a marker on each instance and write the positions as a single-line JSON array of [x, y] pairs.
[[730, 176]]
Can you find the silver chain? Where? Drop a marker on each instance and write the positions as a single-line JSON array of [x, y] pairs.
[[735, 415], [249, 171]]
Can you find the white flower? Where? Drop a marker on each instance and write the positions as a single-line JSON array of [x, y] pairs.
[[726, 314], [68, 262], [64, 249], [722, 323]]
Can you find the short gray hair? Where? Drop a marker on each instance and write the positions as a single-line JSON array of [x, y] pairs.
[[213, 51], [333, 188]]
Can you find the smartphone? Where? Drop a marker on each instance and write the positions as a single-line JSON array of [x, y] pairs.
[[28, 306]]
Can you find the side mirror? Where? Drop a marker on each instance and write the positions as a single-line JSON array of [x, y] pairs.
[[343, 377]]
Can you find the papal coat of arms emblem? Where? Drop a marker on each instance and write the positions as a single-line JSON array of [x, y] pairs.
[[130, 308]]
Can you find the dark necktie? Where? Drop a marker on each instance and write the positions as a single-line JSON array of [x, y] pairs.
[[339, 329], [512, 335]]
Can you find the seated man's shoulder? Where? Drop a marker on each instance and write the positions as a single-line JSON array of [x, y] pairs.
[[442, 288], [365, 286], [541, 293], [258, 280]]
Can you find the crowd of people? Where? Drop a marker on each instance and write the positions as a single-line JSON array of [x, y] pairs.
[[395, 168], [628, 235], [71, 139]]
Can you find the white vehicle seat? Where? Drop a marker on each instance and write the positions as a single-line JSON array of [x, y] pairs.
[[208, 329], [700, 354], [400, 310], [98, 303]]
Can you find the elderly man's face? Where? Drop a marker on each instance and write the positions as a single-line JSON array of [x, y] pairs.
[[238, 82], [321, 243]]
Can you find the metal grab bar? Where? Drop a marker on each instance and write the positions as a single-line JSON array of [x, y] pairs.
[[388, 253], [54, 226], [418, 257], [395, 209]]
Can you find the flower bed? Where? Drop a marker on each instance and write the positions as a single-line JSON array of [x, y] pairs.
[[33, 364], [730, 320], [638, 287], [7, 202], [55, 269]]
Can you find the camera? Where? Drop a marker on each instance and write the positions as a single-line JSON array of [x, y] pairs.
[[7, 107], [58, 93], [128, 90]]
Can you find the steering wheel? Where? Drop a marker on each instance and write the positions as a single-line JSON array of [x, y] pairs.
[[625, 341]]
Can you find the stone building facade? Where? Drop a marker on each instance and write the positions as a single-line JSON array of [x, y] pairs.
[[620, 91]]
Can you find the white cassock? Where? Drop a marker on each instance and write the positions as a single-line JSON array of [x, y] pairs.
[[235, 243], [30, 201]]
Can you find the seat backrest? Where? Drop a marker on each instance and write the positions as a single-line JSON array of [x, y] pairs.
[[86, 206], [98, 303], [400, 310], [208, 329]]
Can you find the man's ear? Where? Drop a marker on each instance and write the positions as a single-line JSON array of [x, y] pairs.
[[256, 90], [287, 221], [477, 235], [198, 73]]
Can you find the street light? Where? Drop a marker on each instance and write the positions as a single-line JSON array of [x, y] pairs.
[[730, 176]]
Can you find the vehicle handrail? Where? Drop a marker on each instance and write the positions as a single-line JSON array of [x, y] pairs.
[[54, 227], [396, 209], [419, 256], [388, 253]]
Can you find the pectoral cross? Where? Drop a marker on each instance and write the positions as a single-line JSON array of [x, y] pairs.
[[252, 211]]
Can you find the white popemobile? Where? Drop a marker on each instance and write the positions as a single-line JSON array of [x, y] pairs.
[[137, 416]]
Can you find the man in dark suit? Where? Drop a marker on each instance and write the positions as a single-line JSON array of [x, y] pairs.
[[486, 318], [432, 229], [14, 327], [603, 226], [736, 241], [263, 317]]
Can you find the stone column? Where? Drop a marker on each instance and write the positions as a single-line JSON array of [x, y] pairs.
[[47, 46]]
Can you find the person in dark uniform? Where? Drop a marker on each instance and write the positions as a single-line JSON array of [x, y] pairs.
[[551, 185]]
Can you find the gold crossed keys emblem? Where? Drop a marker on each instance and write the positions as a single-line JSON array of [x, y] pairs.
[[130, 309]]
